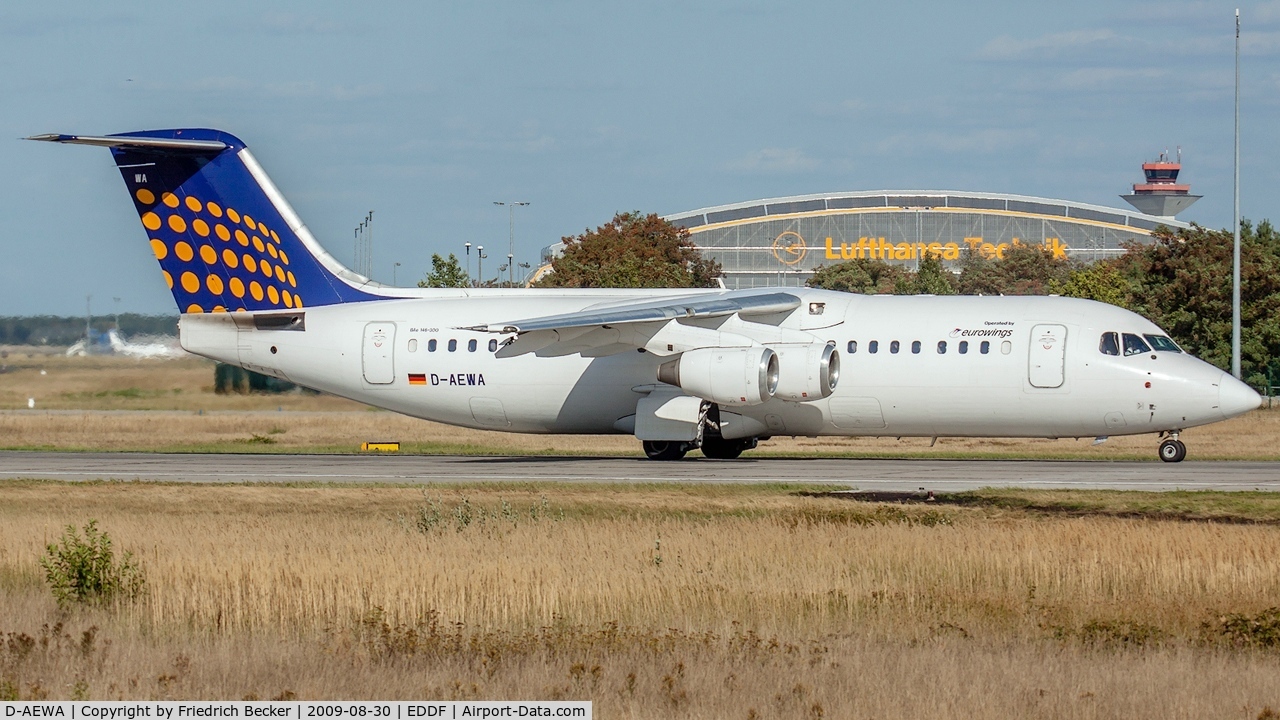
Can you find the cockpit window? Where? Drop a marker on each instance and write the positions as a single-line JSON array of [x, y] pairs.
[[1162, 343], [1134, 345], [1109, 344]]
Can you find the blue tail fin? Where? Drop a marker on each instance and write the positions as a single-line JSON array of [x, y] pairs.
[[224, 235]]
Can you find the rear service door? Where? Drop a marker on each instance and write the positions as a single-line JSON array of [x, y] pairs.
[[1046, 359], [378, 355]]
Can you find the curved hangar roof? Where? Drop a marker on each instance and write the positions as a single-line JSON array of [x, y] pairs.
[[916, 200]]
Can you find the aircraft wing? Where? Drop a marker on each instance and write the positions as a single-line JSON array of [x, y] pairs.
[[656, 325]]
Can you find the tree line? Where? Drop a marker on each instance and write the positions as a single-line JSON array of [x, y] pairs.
[[1181, 280], [633, 250], [62, 331]]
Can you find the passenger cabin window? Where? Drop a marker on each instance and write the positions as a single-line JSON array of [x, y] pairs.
[[873, 347], [493, 346], [431, 345], [1134, 345], [893, 347], [985, 347], [1161, 343], [471, 346], [964, 347], [413, 345], [942, 347], [915, 347], [1006, 347], [1109, 344], [853, 346], [453, 346]]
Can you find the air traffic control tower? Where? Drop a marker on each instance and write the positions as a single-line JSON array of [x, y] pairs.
[[1161, 195]]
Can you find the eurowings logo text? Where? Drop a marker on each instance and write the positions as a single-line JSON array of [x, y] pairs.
[[982, 333]]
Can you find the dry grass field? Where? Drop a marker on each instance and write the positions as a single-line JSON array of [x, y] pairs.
[[107, 403], [688, 602]]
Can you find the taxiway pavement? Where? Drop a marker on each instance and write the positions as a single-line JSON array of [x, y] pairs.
[[872, 475]]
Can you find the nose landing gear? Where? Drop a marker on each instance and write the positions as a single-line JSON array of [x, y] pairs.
[[1172, 449]]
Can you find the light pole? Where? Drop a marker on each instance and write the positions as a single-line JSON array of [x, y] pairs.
[[511, 227], [393, 274], [1235, 247], [468, 247], [480, 256], [368, 260], [511, 270]]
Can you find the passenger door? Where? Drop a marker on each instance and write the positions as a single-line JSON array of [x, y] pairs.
[[378, 355], [1046, 358]]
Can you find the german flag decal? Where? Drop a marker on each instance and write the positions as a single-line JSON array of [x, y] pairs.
[[417, 379]]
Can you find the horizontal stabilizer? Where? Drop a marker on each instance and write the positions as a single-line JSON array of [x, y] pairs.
[[125, 141]]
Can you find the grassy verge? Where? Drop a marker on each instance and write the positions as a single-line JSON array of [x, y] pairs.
[[658, 600]]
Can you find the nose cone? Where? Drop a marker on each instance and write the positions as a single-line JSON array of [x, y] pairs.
[[1236, 398]]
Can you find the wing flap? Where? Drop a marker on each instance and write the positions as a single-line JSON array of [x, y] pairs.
[[745, 305]]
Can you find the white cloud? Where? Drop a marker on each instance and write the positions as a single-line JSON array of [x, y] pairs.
[[1053, 45], [1106, 78], [1267, 13], [985, 142], [775, 160], [1259, 43]]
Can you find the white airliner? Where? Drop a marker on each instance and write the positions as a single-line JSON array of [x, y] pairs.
[[148, 350], [679, 369]]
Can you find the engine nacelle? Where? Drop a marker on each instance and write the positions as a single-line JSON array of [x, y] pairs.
[[807, 372], [726, 376]]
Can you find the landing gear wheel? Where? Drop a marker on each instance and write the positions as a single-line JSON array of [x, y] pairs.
[[1172, 451], [721, 449], [663, 450]]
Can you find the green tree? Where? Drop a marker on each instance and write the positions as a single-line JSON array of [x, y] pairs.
[[1024, 270], [445, 273], [1182, 282], [863, 275], [933, 279], [632, 251], [1101, 281]]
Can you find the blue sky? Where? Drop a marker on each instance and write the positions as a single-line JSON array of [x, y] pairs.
[[426, 113]]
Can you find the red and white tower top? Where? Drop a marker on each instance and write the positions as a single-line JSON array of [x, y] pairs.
[[1161, 195]]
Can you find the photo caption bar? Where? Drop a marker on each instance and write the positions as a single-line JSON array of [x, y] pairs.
[[293, 710]]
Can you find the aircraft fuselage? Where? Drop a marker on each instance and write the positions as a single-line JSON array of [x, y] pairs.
[[941, 366]]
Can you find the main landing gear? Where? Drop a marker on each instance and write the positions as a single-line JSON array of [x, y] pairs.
[[1172, 449], [665, 450], [713, 447], [709, 441]]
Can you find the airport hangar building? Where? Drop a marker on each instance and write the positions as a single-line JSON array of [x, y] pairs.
[[780, 242]]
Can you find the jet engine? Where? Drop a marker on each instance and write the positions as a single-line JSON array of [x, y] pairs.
[[807, 372], [726, 376]]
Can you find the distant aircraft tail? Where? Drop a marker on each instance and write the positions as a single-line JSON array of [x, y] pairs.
[[225, 237]]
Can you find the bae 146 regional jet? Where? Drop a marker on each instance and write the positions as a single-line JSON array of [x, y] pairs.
[[681, 370]]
